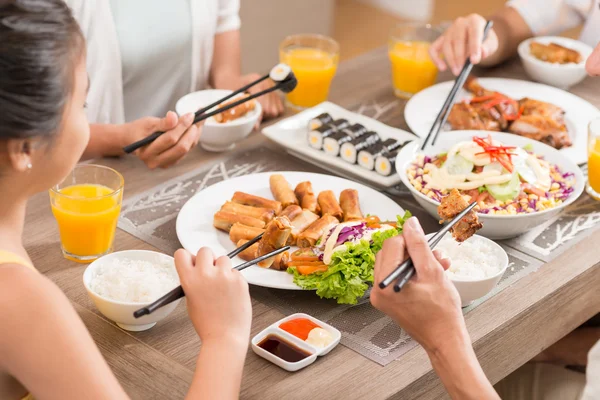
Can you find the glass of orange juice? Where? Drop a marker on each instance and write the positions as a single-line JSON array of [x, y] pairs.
[[593, 183], [86, 206], [314, 60], [408, 49]]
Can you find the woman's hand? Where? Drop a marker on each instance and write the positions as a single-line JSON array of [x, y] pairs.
[[428, 307], [462, 40], [271, 103], [172, 146], [217, 296]]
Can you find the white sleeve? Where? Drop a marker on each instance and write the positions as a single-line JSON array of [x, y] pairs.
[[228, 18], [547, 17], [592, 385]]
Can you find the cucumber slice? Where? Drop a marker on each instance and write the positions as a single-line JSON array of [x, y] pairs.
[[495, 166], [458, 165], [505, 191]]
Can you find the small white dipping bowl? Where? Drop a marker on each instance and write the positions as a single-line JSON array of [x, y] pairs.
[[473, 289], [217, 136], [494, 226], [560, 75], [122, 312]]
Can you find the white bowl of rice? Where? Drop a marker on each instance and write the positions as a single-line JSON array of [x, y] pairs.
[[477, 265], [123, 282]]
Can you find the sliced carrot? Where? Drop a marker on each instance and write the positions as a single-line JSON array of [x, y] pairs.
[[308, 269], [527, 188], [296, 263]]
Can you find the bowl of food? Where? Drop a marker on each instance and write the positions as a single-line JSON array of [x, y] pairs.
[[222, 131], [554, 60], [517, 182], [123, 282], [476, 265]]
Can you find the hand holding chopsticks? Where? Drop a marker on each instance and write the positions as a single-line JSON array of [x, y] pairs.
[[178, 292], [442, 116], [282, 76]]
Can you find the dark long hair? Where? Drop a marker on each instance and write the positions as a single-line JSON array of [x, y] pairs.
[[40, 44]]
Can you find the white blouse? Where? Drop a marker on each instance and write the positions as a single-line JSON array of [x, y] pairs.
[[106, 103]]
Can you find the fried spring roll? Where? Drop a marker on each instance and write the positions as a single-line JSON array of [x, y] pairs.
[[329, 204], [275, 237], [256, 201], [239, 232], [224, 220], [300, 223], [291, 212], [309, 237], [350, 205], [264, 214], [280, 261], [306, 196], [250, 252], [282, 191], [235, 112]]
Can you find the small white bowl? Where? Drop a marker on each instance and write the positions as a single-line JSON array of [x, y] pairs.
[[560, 75], [122, 312], [494, 226], [473, 289], [217, 136], [314, 352]]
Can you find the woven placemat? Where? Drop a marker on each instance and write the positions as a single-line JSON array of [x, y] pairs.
[[151, 216]]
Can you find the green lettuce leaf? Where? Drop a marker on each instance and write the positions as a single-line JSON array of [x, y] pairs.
[[351, 271]]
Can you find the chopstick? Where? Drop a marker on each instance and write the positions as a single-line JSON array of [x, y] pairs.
[[243, 247], [408, 265], [178, 292], [285, 86], [442, 116]]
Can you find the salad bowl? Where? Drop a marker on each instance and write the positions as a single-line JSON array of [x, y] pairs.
[[495, 225]]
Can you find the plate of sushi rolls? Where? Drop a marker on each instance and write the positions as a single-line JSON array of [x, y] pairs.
[[353, 145], [298, 209]]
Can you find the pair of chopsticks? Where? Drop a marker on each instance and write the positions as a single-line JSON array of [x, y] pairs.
[[286, 84], [178, 293], [408, 266], [442, 116]]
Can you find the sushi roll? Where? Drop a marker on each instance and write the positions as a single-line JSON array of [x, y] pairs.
[[319, 121], [340, 124], [316, 136], [385, 164], [350, 150], [333, 143], [366, 158], [356, 130], [280, 73]]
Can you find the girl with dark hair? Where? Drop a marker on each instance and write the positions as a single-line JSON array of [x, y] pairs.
[[45, 349]]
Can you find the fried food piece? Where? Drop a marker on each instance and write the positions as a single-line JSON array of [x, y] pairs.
[[300, 223], [235, 112], [309, 237], [282, 192], [280, 261], [329, 205], [256, 201], [224, 220], [543, 129], [265, 214], [464, 116], [239, 232], [276, 236], [554, 53], [450, 207], [306, 197], [350, 205], [291, 211]]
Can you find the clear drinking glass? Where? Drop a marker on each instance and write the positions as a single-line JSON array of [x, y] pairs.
[[408, 49], [593, 183], [314, 60], [86, 206]]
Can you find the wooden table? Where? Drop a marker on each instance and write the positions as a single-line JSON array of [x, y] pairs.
[[507, 330]]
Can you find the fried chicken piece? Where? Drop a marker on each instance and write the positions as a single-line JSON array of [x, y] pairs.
[[554, 53], [450, 207], [464, 117], [543, 129], [537, 107]]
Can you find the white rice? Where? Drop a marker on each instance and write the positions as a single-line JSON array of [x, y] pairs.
[[134, 281], [473, 259]]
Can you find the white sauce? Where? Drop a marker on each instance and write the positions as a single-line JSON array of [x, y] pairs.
[[319, 337]]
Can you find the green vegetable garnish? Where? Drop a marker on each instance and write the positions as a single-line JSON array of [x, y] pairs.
[[528, 147], [482, 189], [351, 271]]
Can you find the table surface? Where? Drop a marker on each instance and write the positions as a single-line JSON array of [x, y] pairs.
[[507, 330]]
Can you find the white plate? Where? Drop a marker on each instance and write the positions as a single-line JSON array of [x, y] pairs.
[[422, 108], [291, 133], [195, 220]]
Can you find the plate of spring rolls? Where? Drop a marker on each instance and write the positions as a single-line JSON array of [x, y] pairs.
[[299, 209], [352, 144]]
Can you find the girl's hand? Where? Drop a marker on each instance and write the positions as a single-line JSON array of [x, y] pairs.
[[217, 296], [462, 40]]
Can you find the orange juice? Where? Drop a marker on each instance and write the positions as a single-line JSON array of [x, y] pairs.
[[87, 217], [594, 164], [314, 69], [412, 68]]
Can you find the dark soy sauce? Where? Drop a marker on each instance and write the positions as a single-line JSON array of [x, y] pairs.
[[282, 349]]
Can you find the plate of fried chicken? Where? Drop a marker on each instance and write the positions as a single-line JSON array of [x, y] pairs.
[[532, 110]]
